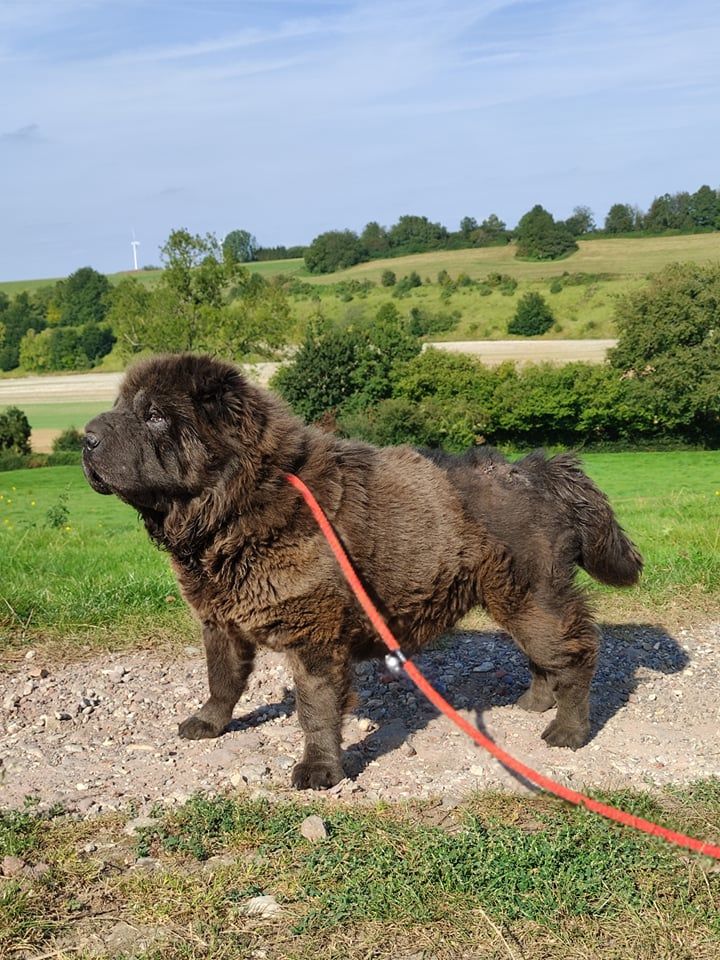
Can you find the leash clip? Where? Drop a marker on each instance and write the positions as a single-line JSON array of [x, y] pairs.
[[395, 661]]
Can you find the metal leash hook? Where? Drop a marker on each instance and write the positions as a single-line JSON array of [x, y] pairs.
[[395, 662]]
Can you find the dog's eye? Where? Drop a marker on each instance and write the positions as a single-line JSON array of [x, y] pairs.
[[154, 416]]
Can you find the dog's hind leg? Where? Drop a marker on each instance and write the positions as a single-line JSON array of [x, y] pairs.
[[561, 641], [322, 693], [230, 659]]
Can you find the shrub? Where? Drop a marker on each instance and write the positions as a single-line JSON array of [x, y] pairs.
[[344, 368], [14, 431], [532, 317], [388, 278], [407, 284], [69, 440], [423, 322], [556, 286], [64, 458], [12, 460]]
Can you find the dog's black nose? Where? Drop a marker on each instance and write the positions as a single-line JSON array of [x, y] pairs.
[[91, 441]]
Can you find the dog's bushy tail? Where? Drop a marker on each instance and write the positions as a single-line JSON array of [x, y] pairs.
[[607, 553]]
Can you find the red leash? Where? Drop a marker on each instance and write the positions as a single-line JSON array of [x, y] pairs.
[[397, 660]]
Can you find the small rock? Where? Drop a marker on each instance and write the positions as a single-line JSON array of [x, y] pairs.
[[38, 673], [485, 667], [12, 866], [313, 828], [266, 906], [89, 848], [139, 823], [249, 773], [62, 715], [365, 724]]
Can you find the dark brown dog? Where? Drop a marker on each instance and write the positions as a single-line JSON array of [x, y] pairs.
[[202, 454]]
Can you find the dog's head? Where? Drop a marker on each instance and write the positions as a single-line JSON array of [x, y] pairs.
[[176, 425]]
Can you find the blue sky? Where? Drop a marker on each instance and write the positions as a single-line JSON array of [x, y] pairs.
[[289, 118]]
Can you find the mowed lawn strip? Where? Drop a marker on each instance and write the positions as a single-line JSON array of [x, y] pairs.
[[498, 876], [78, 566]]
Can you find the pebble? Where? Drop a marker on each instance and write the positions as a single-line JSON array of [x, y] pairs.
[[313, 828], [265, 906], [12, 866], [485, 667]]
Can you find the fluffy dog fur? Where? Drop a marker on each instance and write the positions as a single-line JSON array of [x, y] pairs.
[[202, 453]]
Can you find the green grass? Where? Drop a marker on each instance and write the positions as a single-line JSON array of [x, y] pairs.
[[61, 415], [96, 578], [502, 876], [620, 257]]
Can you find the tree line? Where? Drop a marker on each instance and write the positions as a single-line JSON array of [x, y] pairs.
[[537, 234]]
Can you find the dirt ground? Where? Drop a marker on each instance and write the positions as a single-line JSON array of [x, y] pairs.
[[100, 734]]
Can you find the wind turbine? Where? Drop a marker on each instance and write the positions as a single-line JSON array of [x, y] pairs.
[[134, 244]]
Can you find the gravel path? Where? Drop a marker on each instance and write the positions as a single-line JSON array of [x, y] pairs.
[[99, 734]]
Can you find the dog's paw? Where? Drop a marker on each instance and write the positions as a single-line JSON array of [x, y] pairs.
[[537, 702], [559, 734], [195, 728], [316, 775]]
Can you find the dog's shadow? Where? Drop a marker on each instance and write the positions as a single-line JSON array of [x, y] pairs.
[[259, 715], [477, 670]]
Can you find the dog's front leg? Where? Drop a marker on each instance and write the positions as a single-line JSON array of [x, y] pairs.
[[322, 688], [230, 658]]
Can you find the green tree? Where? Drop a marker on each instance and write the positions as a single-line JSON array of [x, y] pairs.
[[14, 431], [388, 278], [334, 250], [540, 238], [374, 240], [240, 245], [22, 313], [414, 234], [82, 298], [620, 219], [668, 351], [96, 340], [704, 208], [129, 315], [671, 211], [467, 226], [491, 232], [533, 316], [581, 222], [342, 369]]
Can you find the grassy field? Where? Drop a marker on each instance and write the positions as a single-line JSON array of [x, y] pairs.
[[581, 310], [60, 416], [84, 572], [498, 877], [621, 257]]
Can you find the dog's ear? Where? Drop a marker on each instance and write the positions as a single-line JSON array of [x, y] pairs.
[[220, 391]]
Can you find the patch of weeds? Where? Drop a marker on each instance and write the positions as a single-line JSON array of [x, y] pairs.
[[58, 514], [20, 831]]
